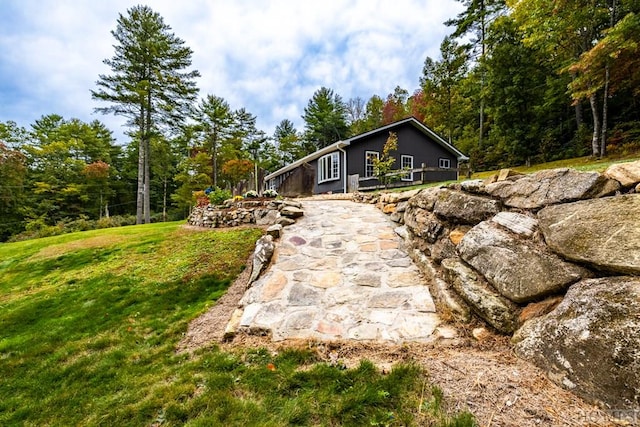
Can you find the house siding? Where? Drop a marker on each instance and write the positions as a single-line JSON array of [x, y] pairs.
[[334, 186], [411, 142], [414, 139]]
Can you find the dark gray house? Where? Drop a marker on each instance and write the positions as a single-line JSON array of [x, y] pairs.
[[346, 166]]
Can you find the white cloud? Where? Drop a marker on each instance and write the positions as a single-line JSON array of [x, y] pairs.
[[266, 56]]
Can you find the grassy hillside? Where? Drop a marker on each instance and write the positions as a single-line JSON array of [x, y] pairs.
[[89, 324], [579, 163]]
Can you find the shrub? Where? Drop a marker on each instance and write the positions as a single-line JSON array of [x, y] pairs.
[[218, 196], [270, 193], [83, 223], [251, 194]]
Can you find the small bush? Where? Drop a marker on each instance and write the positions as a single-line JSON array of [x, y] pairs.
[[81, 224], [251, 194], [115, 221], [218, 196], [270, 193]]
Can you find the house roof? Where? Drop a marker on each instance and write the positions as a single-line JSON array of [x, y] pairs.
[[421, 127], [341, 144], [326, 150]]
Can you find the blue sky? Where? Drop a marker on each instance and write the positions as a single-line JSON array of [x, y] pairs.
[[268, 56]]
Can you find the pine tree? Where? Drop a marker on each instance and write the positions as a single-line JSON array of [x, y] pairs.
[[325, 118], [149, 85]]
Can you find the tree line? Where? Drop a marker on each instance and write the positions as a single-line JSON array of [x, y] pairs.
[[516, 81]]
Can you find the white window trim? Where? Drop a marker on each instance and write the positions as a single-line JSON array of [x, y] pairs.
[[375, 154], [408, 176], [444, 163], [333, 167]]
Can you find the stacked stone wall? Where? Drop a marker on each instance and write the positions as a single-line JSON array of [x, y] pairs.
[[551, 257]]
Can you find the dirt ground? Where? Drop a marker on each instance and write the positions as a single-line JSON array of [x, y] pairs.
[[481, 376]]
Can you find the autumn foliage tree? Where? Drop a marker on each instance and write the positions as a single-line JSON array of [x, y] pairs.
[[97, 174], [383, 165], [237, 170]]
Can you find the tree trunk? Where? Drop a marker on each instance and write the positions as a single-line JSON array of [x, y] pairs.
[[214, 147], [147, 191], [140, 195], [605, 113], [578, 110], [483, 46], [147, 161], [164, 200], [605, 98], [579, 118], [595, 140]]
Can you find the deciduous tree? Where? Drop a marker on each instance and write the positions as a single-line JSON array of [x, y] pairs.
[[383, 165], [13, 173], [564, 30]]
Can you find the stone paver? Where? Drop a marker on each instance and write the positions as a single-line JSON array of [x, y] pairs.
[[339, 273]]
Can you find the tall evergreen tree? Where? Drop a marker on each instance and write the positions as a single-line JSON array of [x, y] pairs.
[[439, 82], [215, 122], [475, 19], [373, 114], [149, 85], [325, 118], [289, 142], [516, 80]]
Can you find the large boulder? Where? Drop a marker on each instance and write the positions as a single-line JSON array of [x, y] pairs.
[[517, 223], [426, 198], [604, 233], [422, 223], [590, 343], [552, 186], [266, 216], [627, 174], [290, 211], [262, 255], [521, 269], [486, 302], [464, 208]]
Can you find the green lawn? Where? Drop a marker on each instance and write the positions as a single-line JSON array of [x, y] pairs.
[[585, 164], [89, 324]]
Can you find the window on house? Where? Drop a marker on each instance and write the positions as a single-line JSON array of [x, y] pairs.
[[407, 163], [369, 170], [329, 167], [444, 164]]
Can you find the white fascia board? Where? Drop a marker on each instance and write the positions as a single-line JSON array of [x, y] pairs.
[[321, 152]]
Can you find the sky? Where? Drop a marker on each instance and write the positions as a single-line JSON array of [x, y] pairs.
[[267, 56]]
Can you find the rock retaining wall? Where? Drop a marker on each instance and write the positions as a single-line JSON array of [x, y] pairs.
[[258, 212], [553, 257]]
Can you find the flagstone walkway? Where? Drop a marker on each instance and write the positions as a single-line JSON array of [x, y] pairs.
[[341, 273]]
